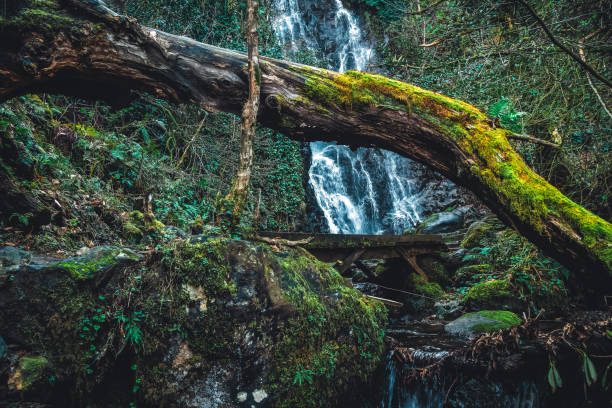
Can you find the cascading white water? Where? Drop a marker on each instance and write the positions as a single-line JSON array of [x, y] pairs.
[[367, 191]]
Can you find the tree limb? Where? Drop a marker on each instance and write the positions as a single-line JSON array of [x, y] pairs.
[[569, 52], [583, 56], [531, 139], [282, 241], [75, 47]]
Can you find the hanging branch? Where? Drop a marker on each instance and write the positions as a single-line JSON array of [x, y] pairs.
[[583, 56], [569, 52]]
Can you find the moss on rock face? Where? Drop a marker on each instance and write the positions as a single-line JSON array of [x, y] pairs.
[[422, 286], [483, 321], [475, 233], [503, 320], [492, 293], [279, 325], [97, 259]]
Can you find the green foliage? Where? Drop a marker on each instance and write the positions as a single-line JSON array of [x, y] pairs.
[[514, 72], [553, 377], [507, 116], [302, 375]]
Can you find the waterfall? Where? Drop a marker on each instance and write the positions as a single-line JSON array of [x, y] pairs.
[[367, 191]]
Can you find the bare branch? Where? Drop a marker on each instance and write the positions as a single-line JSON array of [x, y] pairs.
[[569, 52]]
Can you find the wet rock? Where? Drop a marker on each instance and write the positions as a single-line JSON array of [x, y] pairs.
[[441, 222], [480, 322], [455, 257], [11, 256], [448, 308], [171, 232]]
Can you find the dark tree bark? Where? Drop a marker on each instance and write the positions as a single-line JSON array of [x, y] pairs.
[[80, 47]]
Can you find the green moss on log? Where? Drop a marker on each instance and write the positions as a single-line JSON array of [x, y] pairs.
[[518, 188]]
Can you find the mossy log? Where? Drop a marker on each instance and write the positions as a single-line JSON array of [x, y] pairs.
[[81, 47]]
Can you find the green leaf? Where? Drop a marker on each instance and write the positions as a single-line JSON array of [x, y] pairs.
[[558, 381], [551, 379], [604, 380], [590, 369]]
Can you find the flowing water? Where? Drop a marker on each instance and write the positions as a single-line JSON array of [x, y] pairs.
[[367, 191]]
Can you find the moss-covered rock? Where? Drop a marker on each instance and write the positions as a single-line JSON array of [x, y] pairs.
[[219, 316], [420, 285], [494, 293], [475, 233], [434, 268], [95, 260], [483, 321]]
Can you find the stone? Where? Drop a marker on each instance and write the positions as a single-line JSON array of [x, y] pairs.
[[259, 395], [455, 257], [475, 233], [481, 322], [495, 293], [97, 259], [10, 256], [196, 295], [448, 308], [441, 222]]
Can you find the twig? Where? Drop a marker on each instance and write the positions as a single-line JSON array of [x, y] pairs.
[[426, 9], [583, 56], [439, 40], [403, 291], [282, 241], [448, 392], [532, 140], [569, 52], [195, 135]]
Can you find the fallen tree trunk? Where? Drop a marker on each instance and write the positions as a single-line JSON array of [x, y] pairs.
[[81, 47]]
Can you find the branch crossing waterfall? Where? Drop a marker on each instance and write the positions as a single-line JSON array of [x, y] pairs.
[[367, 191]]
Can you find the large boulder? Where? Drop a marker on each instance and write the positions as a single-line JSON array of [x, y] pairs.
[[208, 324]]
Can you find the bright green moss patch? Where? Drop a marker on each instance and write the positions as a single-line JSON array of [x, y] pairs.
[[41, 14], [83, 268], [31, 370], [422, 286], [95, 260], [492, 293], [503, 320]]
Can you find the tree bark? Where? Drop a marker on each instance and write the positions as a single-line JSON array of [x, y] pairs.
[[248, 122], [81, 47]]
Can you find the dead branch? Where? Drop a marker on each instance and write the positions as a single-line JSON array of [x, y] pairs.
[[281, 241]]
